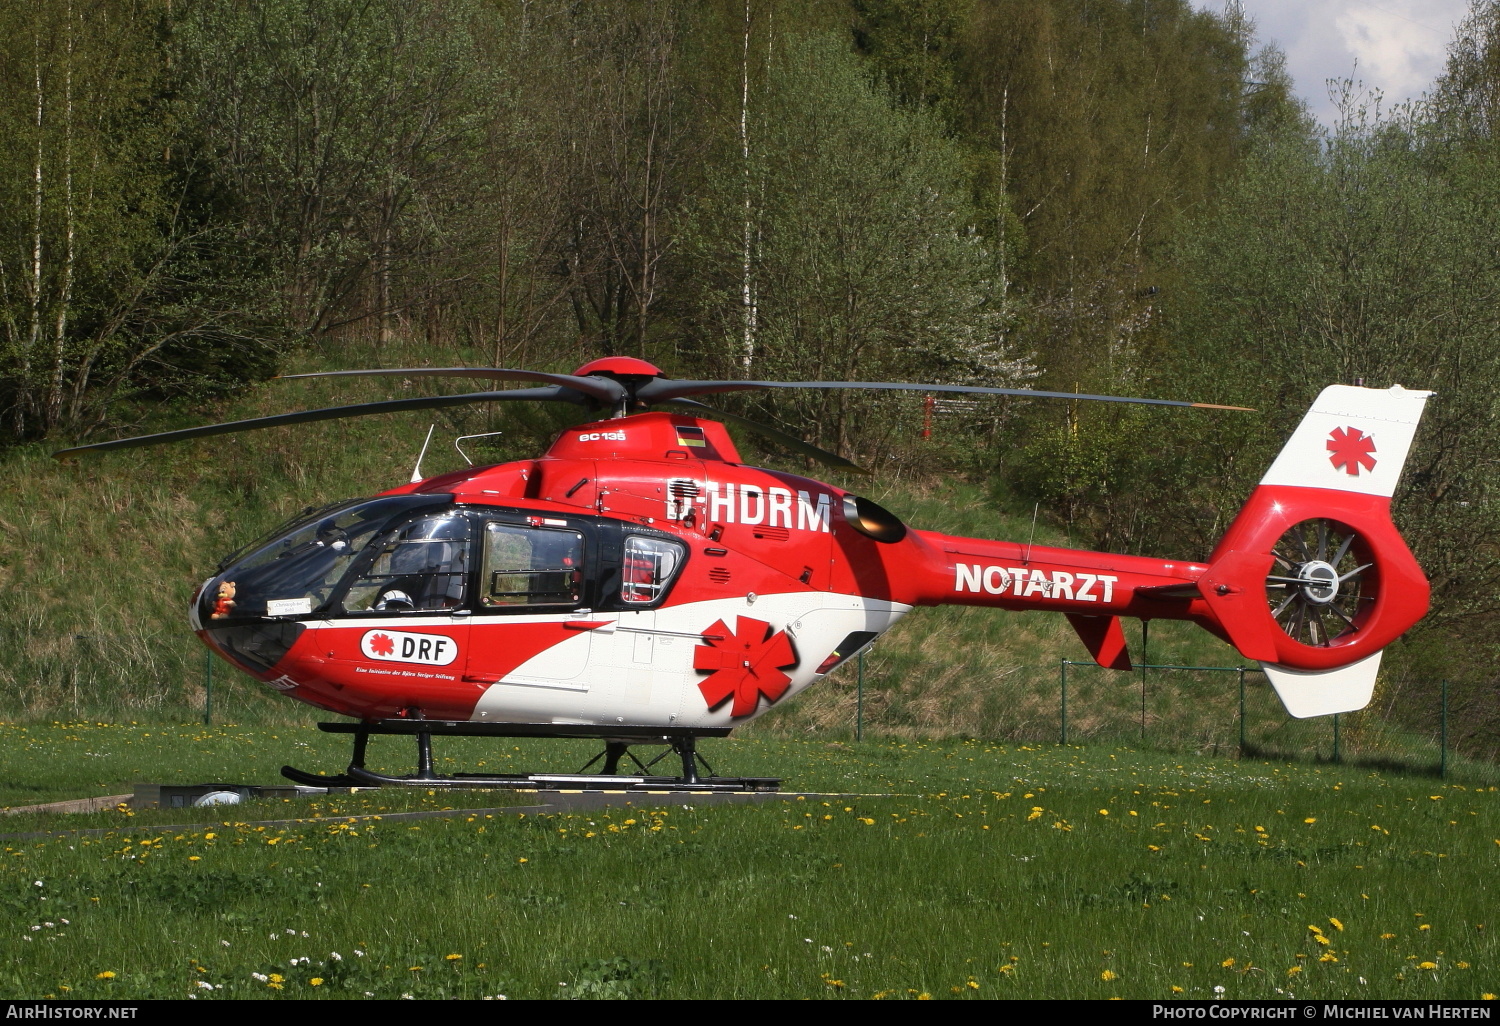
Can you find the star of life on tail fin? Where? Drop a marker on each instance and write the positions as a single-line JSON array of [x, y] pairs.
[[1312, 580]]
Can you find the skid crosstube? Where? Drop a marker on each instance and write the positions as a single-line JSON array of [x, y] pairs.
[[617, 740]]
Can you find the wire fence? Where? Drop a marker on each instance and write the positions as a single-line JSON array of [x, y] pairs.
[[1234, 708]]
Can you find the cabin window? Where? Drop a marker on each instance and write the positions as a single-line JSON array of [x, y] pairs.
[[526, 567], [649, 567], [420, 566]]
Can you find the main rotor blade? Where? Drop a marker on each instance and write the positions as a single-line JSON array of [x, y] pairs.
[[603, 389], [791, 442], [553, 393], [662, 389]]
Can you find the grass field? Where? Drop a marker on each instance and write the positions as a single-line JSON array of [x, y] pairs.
[[964, 869]]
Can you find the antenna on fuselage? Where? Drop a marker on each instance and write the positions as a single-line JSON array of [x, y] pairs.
[[416, 474]]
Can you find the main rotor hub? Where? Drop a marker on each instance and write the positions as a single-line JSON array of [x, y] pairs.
[[1320, 581]]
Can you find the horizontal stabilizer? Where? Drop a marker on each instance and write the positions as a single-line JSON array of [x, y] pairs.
[[1104, 638], [1324, 692]]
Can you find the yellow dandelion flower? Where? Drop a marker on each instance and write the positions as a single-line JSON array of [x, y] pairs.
[[1328, 956], [316, 981], [1336, 924], [1152, 847], [1036, 813], [1108, 974], [1387, 936], [1310, 819], [518, 861], [972, 985], [1486, 997], [108, 974], [1294, 970], [1426, 965], [277, 978], [452, 958], [1425, 926], [1226, 963], [1462, 965], [1176, 989], [1314, 929], [1104, 812], [1321, 939], [195, 858]]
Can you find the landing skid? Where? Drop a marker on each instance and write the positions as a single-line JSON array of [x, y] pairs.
[[617, 743]]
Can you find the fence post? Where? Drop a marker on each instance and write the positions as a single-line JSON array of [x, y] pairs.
[[1242, 712], [1335, 737], [1443, 757], [859, 700], [1063, 667], [208, 689], [1145, 658]]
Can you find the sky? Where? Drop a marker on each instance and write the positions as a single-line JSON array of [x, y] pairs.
[[1395, 46]]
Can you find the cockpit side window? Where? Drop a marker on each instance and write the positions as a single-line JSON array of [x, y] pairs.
[[528, 567], [299, 568], [422, 565], [650, 565]]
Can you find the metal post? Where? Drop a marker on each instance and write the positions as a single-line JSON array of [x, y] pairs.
[[1242, 712], [208, 689], [1063, 667], [1335, 737], [1443, 737], [1145, 659], [859, 700]]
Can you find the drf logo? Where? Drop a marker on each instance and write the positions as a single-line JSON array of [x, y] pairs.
[[406, 647]]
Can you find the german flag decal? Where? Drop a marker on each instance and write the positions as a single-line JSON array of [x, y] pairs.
[[688, 435]]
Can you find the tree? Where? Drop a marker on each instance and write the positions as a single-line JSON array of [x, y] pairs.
[[333, 123], [108, 279], [867, 262]]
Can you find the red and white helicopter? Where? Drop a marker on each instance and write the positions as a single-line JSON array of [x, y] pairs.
[[641, 585]]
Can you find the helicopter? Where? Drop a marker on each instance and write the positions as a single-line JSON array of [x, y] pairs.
[[640, 585]]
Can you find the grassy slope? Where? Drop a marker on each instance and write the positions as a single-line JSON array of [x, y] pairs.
[[992, 871]]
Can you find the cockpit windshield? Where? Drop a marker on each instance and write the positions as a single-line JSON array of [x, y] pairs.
[[297, 571]]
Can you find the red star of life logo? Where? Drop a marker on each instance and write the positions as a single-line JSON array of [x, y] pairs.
[[1350, 449], [743, 664], [381, 644]]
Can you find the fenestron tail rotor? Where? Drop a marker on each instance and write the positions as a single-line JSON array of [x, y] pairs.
[[1316, 587]]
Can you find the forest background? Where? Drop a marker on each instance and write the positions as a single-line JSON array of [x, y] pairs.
[[1116, 196]]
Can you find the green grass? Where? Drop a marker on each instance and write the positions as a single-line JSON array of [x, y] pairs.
[[986, 870]]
